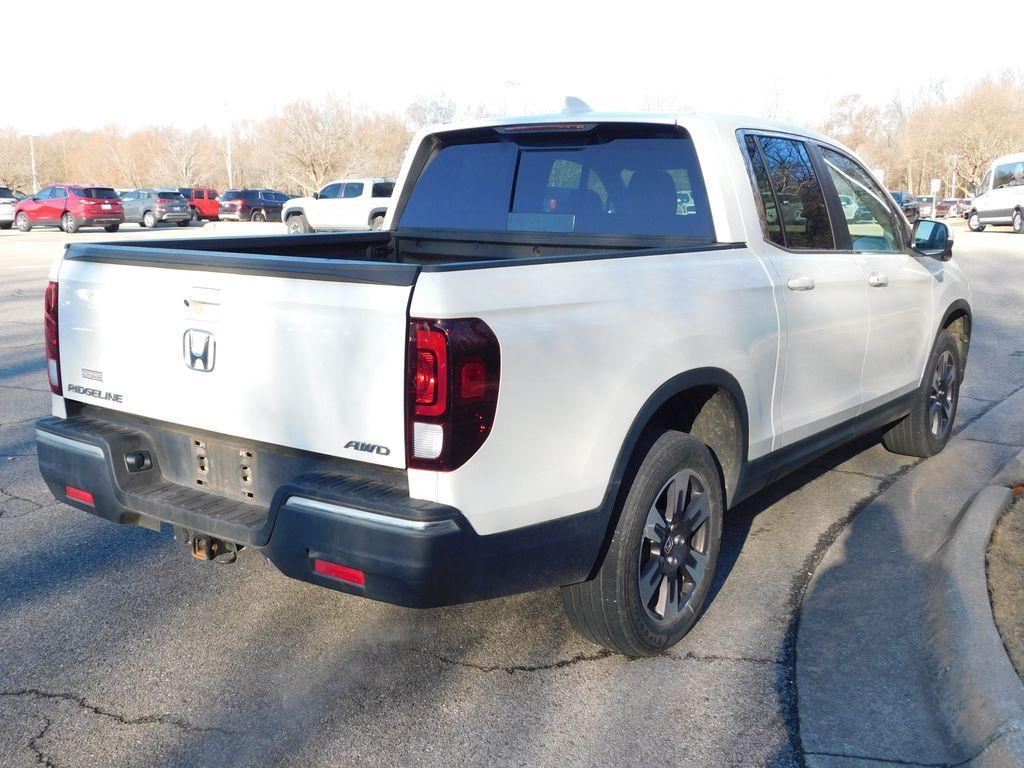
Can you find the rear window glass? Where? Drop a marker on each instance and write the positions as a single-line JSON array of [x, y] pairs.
[[6, 192], [166, 194], [600, 184], [231, 194], [383, 189], [97, 193]]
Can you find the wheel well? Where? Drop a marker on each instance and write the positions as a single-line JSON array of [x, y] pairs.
[[375, 213], [958, 322], [294, 212], [710, 414]]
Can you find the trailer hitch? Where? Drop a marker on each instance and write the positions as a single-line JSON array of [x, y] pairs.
[[207, 547]]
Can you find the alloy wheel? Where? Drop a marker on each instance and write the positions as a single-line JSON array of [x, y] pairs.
[[674, 546], [942, 395]]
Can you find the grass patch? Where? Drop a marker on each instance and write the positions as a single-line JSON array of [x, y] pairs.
[[1006, 580]]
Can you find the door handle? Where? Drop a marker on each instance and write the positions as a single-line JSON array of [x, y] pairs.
[[878, 280], [800, 283]]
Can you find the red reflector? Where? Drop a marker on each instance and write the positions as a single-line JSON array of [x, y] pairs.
[[77, 494], [473, 381], [335, 571], [426, 377], [431, 371], [52, 341]]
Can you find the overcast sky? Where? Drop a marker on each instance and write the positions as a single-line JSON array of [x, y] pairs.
[[205, 63]]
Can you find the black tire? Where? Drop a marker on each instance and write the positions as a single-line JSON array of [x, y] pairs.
[[148, 220], [927, 428], [195, 215], [112, 227], [609, 609], [377, 222], [6, 225], [1017, 222], [297, 224], [68, 223], [258, 216], [974, 223], [23, 222], [184, 222]]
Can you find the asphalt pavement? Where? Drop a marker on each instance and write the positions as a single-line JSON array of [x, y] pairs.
[[118, 649]]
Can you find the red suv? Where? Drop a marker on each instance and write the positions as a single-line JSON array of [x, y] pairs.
[[70, 206], [203, 202]]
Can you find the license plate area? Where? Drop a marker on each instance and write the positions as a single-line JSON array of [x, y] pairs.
[[227, 469]]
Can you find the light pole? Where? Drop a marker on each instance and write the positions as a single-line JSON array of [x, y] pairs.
[[32, 154], [952, 183], [231, 173]]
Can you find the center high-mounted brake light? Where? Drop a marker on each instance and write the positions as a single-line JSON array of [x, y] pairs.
[[52, 341], [454, 368]]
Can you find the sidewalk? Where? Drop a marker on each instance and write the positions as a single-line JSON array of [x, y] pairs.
[[868, 692]]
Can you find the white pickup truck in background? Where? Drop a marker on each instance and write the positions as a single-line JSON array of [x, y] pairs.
[[578, 340], [345, 204]]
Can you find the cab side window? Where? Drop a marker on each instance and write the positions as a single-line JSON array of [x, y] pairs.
[[353, 190], [868, 216], [330, 191], [796, 210]]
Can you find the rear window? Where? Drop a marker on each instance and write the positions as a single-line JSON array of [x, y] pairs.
[[97, 193], [231, 194], [383, 189], [6, 192], [167, 194], [613, 180]]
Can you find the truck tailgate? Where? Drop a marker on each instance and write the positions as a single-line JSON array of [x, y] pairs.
[[258, 348]]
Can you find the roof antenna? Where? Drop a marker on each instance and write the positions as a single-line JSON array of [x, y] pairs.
[[575, 106]]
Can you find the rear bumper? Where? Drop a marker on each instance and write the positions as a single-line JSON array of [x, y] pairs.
[[101, 221], [174, 216], [413, 553]]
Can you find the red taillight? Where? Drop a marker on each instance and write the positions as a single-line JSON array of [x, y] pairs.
[[52, 341], [454, 367], [343, 572], [77, 494]]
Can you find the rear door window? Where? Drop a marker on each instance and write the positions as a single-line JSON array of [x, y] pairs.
[[797, 204], [383, 189], [614, 180]]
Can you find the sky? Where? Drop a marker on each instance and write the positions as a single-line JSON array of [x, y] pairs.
[[214, 63]]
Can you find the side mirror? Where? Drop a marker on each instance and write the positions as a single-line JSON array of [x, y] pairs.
[[932, 238], [316, 195]]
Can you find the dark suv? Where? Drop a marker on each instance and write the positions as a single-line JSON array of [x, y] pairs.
[[908, 204], [252, 205]]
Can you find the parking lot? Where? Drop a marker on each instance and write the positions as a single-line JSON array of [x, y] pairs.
[[117, 648]]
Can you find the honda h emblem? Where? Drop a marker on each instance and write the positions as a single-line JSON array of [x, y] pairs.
[[200, 349]]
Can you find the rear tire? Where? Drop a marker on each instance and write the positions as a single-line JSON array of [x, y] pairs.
[[1018, 222], [68, 223], [258, 216], [112, 227], [377, 223], [297, 224], [195, 215], [927, 428], [974, 222], [148, 220], [23, 222], [184, 222], [655, 577]]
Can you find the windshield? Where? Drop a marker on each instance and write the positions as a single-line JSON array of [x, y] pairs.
[[97, 193], [613, 181]]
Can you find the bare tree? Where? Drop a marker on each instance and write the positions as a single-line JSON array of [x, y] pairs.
[[431, 110]]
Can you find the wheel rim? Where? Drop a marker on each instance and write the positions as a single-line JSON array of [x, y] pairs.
[[68, 222], [973, 221], [294, 226], [149, 219], [942, 396], [22, 221], [673, 549], [1016, 222]]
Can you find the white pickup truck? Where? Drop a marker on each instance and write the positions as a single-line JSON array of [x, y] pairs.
[[345, 204], [577, 342]]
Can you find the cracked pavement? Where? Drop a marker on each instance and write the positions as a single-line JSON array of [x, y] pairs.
[[118, 649]]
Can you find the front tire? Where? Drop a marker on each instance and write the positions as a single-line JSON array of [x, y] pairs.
[[297, 224], [1018, 222], [927, 428], [68, 223], [655, 577], [974, 222], [23, 222]]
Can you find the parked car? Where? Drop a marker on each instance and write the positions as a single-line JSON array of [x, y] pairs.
[[952, 207], [344, 204], [252, 205], [8, 201], [908, 204], [493, 395], [70, 207], [925, 205], [203, 202], [850, 206], [999, 201], [150, 207]]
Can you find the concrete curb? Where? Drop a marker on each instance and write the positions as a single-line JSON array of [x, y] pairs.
[[976, 688]]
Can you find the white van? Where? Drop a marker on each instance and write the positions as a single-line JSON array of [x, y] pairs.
[[1000, 198]]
